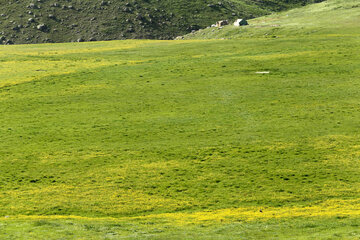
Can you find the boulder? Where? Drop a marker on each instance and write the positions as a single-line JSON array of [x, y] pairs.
[[240, 22], [222, 23], [41, 27]]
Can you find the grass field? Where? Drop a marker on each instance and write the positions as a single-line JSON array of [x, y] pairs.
[[182, 139]]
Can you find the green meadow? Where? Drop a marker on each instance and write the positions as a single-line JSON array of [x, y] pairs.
[[190, 139]]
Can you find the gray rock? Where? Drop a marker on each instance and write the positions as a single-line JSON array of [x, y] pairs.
[[41, 27], [240, 22], [222, 23], [9, 42]]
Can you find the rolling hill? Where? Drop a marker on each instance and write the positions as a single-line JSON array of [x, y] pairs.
[[65, 21], [325, 18], [254, 137]]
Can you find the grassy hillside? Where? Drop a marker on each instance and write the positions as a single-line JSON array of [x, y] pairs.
[[143, 139], [329, 17], [70, 20]]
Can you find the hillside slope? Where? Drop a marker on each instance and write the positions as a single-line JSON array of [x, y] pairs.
[[71, 20], [329, 17], [248, 138]]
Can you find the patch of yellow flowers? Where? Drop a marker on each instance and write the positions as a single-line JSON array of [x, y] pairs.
[[25, 63], [330, 208]]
